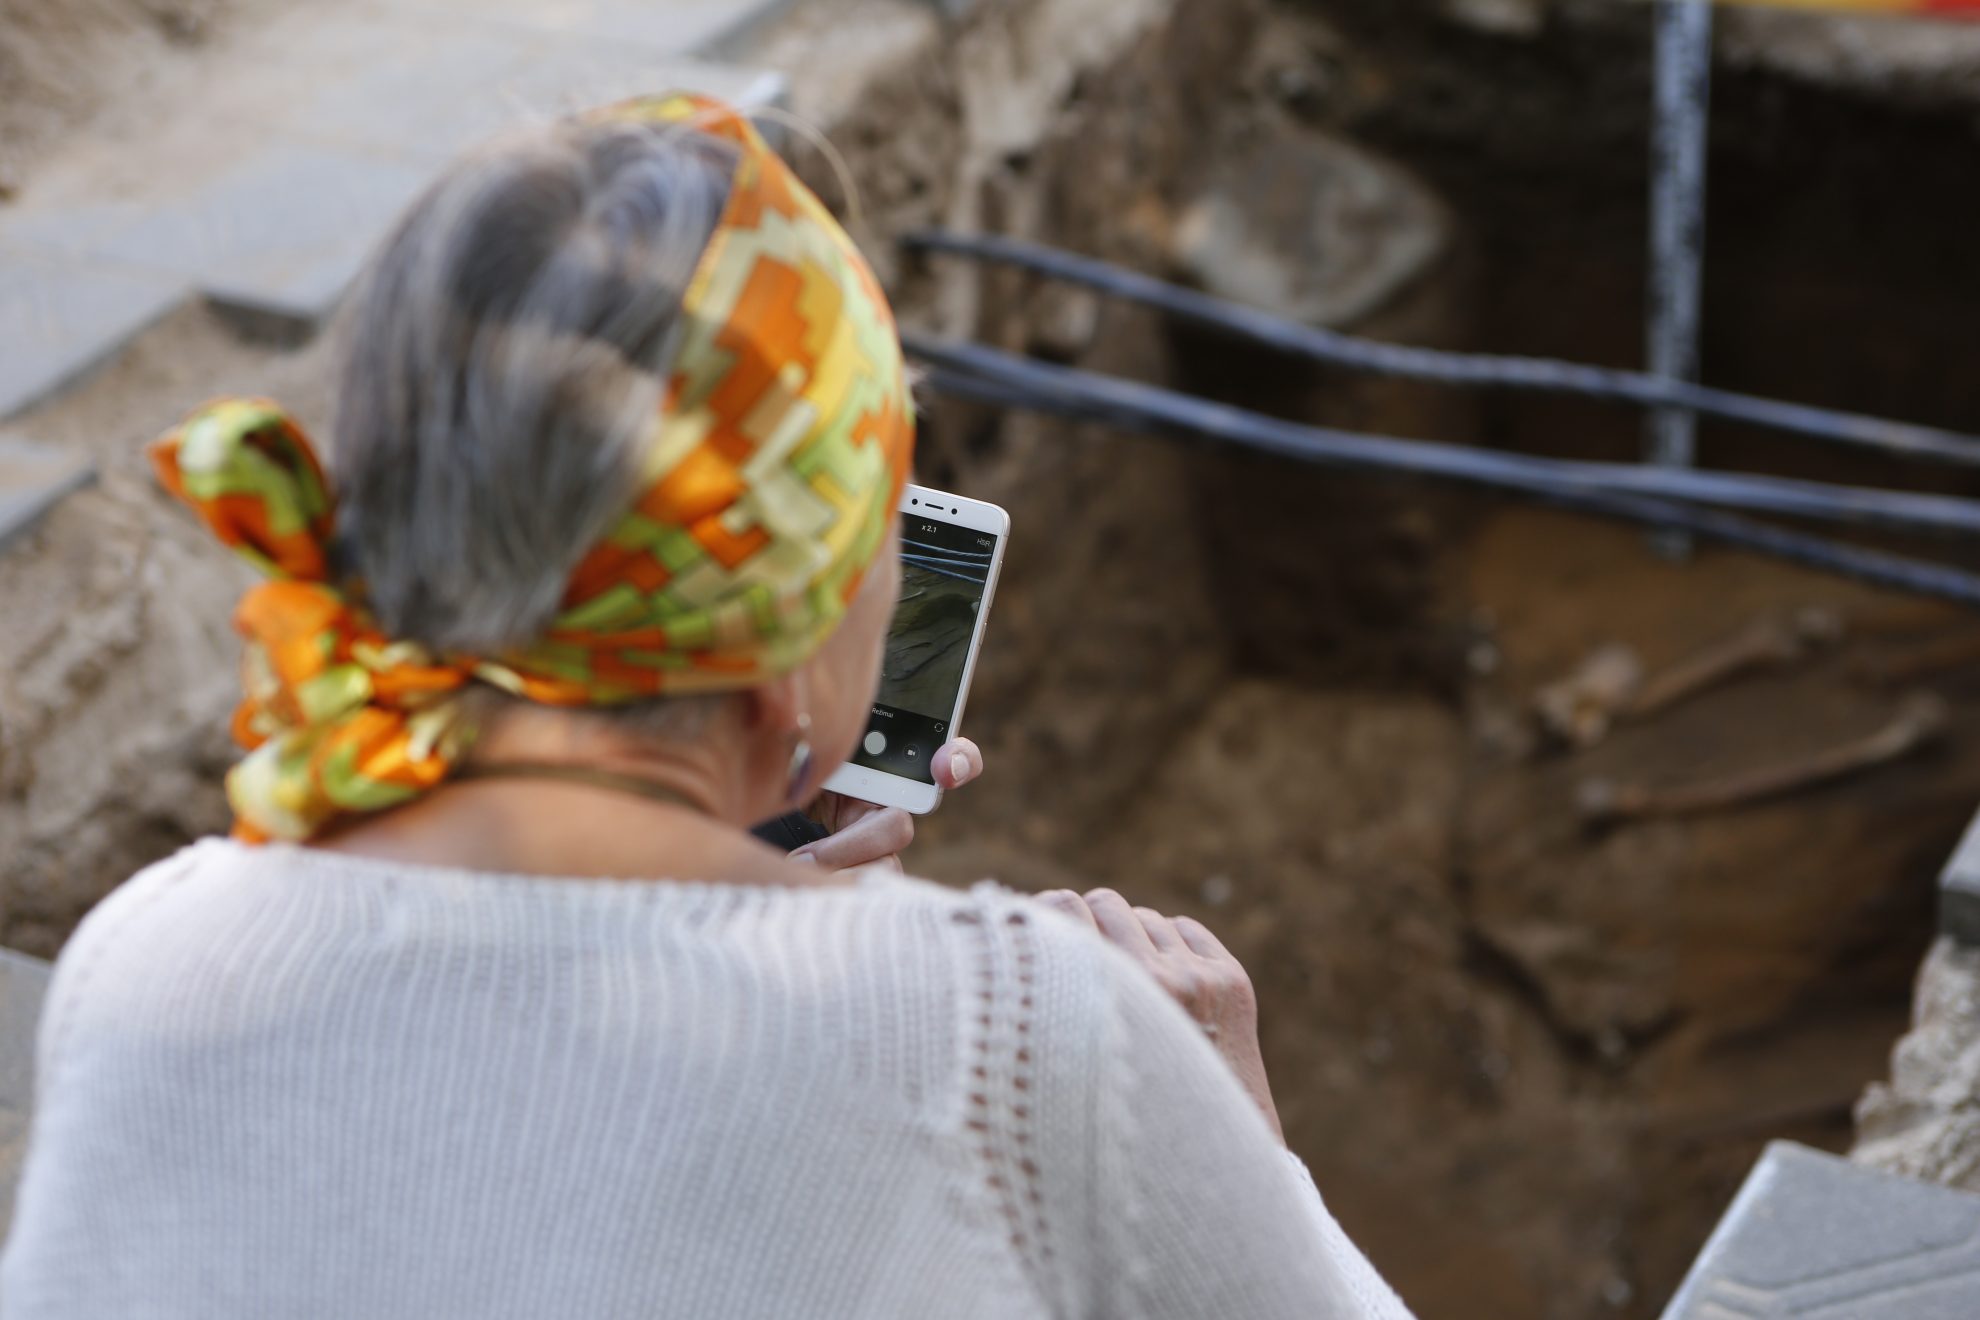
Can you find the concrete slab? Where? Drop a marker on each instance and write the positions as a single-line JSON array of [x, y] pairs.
[[1814, 1235], [61, 316], [577, 77], [1959, 890], [423, 95], [23, 984], [670, 27], [33, 478], [431, 102], [274, 222], [279, 236], [282, 233]]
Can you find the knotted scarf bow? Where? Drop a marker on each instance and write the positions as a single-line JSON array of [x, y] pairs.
[[771, 476]]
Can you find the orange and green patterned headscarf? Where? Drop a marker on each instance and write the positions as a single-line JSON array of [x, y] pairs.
[[771, 474]]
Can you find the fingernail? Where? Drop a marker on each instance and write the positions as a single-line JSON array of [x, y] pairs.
[[805, 857], [959, 768]]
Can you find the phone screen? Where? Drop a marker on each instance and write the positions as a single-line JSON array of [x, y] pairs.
[[944, 572]]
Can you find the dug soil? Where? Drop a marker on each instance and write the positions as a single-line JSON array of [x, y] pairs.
[[1529, 1056]]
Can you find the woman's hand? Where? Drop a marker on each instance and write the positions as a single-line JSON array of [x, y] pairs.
[[863, 834], [1194, 967]]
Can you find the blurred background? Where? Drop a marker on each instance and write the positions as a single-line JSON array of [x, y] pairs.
[[1354, 723]]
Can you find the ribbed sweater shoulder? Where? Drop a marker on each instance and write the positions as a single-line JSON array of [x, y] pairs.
[[282, 1082]]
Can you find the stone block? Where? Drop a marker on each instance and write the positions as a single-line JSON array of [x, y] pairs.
[[1310, 226], [32, 479], [582, 75], [23, 983], [668, 27], [423, 96], [431, 109], [275, 235], [434, 108], [284, 233], [1812, 1234], [302, 221], [1499, 18], [281, 233], [1959, 890], [62, 315]]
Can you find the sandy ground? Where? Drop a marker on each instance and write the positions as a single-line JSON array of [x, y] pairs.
[[65, 62]]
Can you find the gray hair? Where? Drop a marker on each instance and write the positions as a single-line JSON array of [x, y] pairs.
[[505, 359]]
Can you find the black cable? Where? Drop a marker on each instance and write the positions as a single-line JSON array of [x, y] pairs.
[[1481, 369], [1851, 505], [1065, 399]]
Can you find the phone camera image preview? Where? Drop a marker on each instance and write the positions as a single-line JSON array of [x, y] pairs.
[[944, 569]]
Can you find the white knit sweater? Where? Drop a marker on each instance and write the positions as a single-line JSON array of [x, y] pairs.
[[285, 1084]]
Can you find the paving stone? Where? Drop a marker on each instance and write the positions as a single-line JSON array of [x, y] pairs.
[[60, 316], [281, 232], [431, 104], [579, 76], [23, 982], [33, 478], [1814, 1235], [285, 232], [420, 96], [279, 236], [672, 27], [1959, 890], [276, 235]]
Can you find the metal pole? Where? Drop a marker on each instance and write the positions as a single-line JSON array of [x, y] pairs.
[[1677, 223]]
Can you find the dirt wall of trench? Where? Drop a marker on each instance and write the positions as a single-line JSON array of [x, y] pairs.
[[1531, 1059]]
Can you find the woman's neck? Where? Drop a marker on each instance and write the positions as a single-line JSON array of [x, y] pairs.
[[644, 812], [555, 828]]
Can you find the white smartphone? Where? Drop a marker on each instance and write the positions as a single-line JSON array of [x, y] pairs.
[[951, 551]]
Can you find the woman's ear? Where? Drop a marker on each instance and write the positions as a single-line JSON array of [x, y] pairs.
[[779, 706]]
